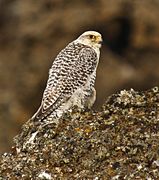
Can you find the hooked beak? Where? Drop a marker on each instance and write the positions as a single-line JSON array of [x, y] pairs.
[[99, 40]]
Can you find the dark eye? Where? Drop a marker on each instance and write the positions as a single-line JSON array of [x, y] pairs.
[[91, 36]]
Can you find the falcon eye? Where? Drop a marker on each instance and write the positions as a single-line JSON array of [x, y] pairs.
[[91, 36]]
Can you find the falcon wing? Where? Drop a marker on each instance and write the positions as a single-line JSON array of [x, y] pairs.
[[77, 77]]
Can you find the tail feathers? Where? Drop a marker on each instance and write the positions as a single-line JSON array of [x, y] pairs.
[[41, 114]]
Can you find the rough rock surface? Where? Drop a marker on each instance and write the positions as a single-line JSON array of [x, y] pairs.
[[119, 142]]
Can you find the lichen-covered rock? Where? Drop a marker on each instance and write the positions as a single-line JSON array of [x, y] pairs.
[[119, 142]]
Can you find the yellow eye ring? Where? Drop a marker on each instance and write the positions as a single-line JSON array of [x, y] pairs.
[[91, 36]]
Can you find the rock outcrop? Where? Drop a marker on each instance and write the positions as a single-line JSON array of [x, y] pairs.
[[121, 141]]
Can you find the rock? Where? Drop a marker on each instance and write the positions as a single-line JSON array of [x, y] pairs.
[[118, 142]]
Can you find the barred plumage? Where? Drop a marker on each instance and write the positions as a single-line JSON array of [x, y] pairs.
[[71, 77]]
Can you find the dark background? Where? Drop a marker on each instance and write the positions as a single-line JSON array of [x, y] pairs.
[[33, 32]]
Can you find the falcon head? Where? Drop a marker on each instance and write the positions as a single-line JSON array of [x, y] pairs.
[[91, 38]]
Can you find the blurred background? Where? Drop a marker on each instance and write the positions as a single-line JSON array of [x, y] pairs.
[[33, 32]]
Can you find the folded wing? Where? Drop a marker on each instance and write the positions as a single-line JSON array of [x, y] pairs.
[[65, 85]]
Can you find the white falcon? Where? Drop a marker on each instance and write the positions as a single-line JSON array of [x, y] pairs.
[[72, 77]]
